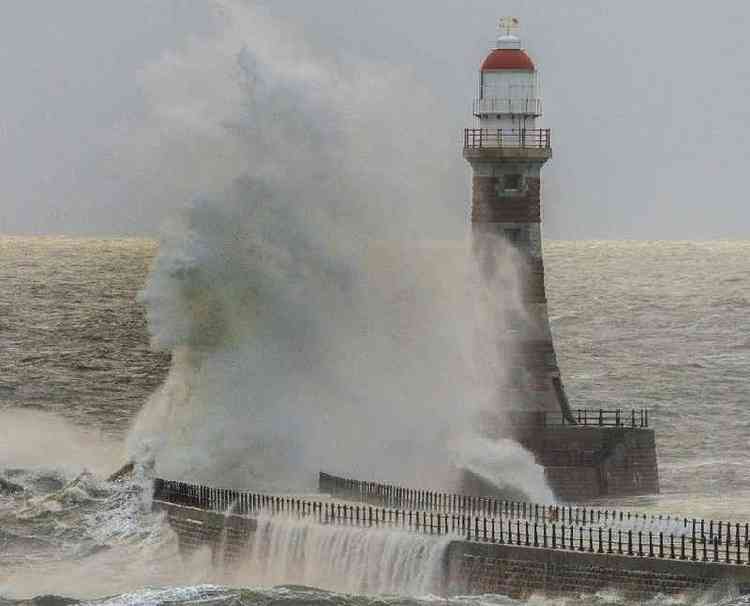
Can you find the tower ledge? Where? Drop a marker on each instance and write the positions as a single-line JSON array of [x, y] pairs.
[[491, 154], [489, 144]]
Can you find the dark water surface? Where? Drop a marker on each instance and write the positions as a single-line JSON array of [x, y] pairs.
[[637, 324], [73, 339]]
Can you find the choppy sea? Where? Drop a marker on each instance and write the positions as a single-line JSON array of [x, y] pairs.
[[661, 325]]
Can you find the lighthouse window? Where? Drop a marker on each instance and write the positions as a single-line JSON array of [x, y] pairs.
[[513, 235], [512, 182]]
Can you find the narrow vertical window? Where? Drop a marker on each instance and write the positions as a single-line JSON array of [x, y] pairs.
[[512, 182], [513, 235]]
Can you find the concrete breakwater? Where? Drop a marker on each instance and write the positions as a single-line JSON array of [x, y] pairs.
[[515, 556]]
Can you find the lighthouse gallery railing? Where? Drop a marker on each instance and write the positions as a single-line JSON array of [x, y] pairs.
[[507, 137], [507, 105]]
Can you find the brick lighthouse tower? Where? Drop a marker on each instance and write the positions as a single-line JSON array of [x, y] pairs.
[[586, 453], [507, 152]]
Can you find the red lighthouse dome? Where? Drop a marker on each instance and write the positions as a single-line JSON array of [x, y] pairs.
[[508, 84], [508, 58], [508, 54]]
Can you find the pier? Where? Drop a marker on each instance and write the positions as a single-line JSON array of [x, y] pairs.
[[499, 546]]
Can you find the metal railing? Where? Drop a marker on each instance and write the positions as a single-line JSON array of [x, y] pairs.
[[537, 138], [507, 105], [603, 418], [533, 533], [391, 495], [582, 417]]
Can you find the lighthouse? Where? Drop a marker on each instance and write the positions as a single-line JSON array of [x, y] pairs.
[[507, 149], [586, 453]]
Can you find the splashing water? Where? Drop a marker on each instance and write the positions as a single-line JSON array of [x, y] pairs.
[[505, 464], [351, 560], [312, 325]]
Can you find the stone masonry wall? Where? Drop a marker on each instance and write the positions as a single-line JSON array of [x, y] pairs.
[[226, 535], [583, 463], [475, 567], [487, 207], [527, 345], [521, 571], [574, 484]]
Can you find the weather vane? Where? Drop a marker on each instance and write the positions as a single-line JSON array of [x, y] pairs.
[[509, 25]]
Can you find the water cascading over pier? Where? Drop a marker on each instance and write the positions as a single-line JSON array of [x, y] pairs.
[[346, 559], [374, 538]]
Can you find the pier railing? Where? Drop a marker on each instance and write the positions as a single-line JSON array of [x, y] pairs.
[[549, 534], [391, 495], [539, 138], [583, 417]]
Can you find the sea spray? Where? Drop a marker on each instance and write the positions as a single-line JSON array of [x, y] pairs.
[[312, 326], [506, 465], [76, 448], [506, 325], [345, 559]]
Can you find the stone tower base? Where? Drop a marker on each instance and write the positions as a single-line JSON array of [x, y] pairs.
[[585, 463]]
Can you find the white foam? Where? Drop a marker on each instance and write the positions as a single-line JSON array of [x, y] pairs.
[[344, 559], [505, 464]]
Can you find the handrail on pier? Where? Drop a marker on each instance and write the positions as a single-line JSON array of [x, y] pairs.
[[556, 533]]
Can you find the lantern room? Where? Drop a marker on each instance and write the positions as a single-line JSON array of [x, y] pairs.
[[509, 90]]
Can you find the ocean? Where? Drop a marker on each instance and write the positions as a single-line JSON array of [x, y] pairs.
[[661, 325]]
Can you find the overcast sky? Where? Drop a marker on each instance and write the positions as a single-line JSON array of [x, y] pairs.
[[649, 103]]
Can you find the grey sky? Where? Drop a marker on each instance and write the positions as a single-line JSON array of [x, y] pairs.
[[649, 103]]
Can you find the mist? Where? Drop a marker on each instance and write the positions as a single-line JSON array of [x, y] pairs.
[[312, 327], [647, 114]]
